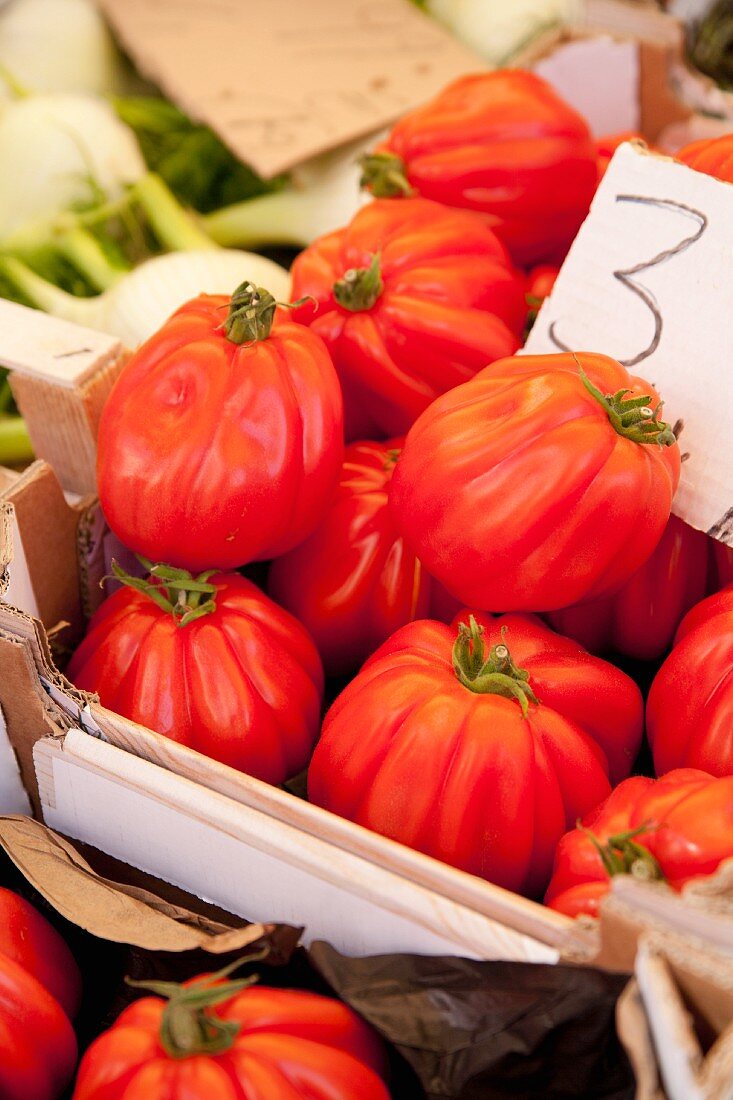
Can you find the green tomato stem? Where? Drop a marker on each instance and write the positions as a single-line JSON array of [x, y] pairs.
[[632, 417], [385, 175], [493, 675], [360, 287]]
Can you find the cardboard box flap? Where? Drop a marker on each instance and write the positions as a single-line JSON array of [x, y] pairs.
[[117, 911], [687, 991], [301, 78], [38, 549]]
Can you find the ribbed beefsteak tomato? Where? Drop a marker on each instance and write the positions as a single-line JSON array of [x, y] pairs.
[[545, 480], [210, 662], [411, 298], [503, 144], [215, 1039], [677, 828], [640, 619], [691, 699], [479, 744], [40, 988], [354, 582], [221, 441], [712, 156]]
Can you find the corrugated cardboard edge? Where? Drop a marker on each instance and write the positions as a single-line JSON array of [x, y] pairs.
[[115, 911], [48, 527]]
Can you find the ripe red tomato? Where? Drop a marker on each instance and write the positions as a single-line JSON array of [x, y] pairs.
[[712, 156], [430, 743], [411, 298], [353, 582], [40, 986], [235, 677], [256, 1044], [503, 144], [536, 485], [221, 441], [678, 828], [691, 699], [641, 618]]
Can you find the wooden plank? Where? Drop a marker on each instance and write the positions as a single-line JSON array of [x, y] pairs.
[[250, 863]]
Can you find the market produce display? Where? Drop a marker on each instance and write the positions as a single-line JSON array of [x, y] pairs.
[[354, 582], [676, 829], [209, 661], [504, 145], [411, 298], [516, 731], [40, 991], [229, 1038]]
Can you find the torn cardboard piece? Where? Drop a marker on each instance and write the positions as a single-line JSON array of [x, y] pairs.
[[303, 78], [117, 911], [687, 993], [647, 282]]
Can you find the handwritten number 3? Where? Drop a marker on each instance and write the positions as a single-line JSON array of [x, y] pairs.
[[626, 276]]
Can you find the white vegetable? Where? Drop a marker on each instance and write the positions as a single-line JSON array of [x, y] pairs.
[[496, 29], [136, 306], [323, 195], [50, 145], [59, 46]]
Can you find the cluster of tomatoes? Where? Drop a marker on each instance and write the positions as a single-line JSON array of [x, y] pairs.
[[210, 1036], [423, 494]]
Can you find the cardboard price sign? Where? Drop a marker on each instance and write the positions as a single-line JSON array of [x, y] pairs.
[[283, 80], [647, 281]]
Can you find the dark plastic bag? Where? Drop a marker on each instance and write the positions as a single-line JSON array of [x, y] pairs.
[[485, 1030]]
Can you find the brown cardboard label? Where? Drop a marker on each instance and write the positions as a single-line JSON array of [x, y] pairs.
[[283, 80]]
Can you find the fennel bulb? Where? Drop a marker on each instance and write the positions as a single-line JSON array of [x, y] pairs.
[[57, 151], [496, 29], [140, 301], [59, 46], [323, 194]]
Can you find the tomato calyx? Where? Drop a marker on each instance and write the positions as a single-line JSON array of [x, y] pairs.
[[385, 175], [390, 459], [632, 417], [252, 312], [621, 855], [493, 675], [188, 1027], [174, 590], [359, 287]]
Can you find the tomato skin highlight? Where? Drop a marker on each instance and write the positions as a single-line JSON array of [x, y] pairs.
[[690, 819], [450, 302], [291, 1044], [40, 987], [214, 454], [640, 619], [242, 684], [689, 704], [354, 582], [493, 790], [505, 145], [517, 493]]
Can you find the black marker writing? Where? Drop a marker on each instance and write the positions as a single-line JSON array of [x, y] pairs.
[[626, 275]]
